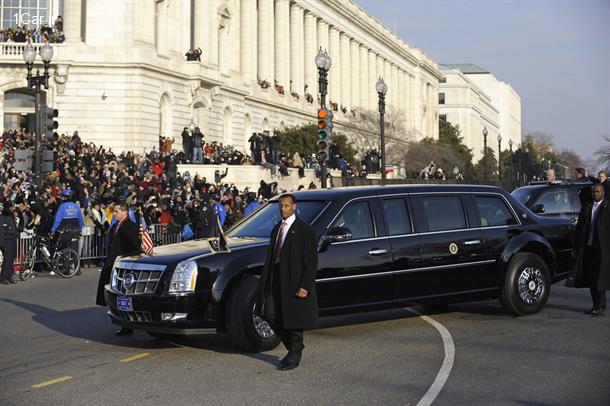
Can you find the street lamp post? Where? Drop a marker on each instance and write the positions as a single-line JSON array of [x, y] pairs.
[[485, 153], [323, 63], [36, 83], [510, 147], [499, 158], [382, 89]]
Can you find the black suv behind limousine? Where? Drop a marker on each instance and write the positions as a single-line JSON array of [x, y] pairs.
[[378, 247]]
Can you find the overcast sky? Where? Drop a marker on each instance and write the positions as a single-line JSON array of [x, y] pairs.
[[554, 53]]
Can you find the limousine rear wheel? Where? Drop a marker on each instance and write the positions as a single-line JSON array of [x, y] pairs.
[[526, 285], [247, 330]]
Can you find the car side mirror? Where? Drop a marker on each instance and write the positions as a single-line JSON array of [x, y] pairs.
[[335, 234], [338, 234], [538, 208]]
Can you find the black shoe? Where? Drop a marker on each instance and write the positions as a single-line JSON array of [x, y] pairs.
[[13, 281], [597, 312], [4, 282], [123, 332], [291, 364], [590, 311]]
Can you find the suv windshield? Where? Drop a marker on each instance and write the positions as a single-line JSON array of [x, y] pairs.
[[525, 195], [261, 222]]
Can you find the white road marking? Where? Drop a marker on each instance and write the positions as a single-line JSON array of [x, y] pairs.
[[443, 373]]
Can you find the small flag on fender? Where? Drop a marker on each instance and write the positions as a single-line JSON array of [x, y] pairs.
[[146, 241]]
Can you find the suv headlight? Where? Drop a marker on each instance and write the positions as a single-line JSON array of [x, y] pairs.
[[184, 277], [113, 280]]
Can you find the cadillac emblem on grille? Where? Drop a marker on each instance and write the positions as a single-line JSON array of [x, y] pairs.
[[129, 280]]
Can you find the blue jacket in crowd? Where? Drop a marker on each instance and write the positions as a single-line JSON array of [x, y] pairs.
[[222, 213], [70, 215]]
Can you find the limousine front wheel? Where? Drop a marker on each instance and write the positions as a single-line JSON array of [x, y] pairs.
[[526, 285], [247, 330]]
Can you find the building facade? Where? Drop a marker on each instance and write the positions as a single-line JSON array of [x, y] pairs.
[[473, 99], [122, 79]]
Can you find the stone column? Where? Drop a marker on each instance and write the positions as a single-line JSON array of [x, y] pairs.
[[282, 41], [334, 76], [355, 73], [323, 36], [364, 77], [296, 49], [410, 101], [265, 40], [397, 88], [72, 20], [202, 29], [401, 93], [310, 52], [247, 45], [372, 80], [345, 68]]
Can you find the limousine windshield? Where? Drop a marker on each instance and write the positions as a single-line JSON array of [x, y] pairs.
[[260, 223]]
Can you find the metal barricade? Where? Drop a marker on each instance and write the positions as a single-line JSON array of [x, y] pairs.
[[94, 245]]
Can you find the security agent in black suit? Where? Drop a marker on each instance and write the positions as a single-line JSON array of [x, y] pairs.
[[287, 295], [593, 245], [123, 239], [8, 242]]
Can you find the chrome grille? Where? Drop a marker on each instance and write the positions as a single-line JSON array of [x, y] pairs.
[[133, 278], [135, 317]]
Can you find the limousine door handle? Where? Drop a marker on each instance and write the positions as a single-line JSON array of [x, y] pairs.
[[376, 252], [472, 242]]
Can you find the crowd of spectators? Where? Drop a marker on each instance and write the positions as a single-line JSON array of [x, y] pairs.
[[42, 34], [98, 177]]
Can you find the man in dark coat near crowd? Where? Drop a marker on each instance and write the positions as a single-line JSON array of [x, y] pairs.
[[287, 294], [592, 240], [123, 239], [8, 242]]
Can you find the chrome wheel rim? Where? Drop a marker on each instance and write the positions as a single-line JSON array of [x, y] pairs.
[[531, 285], [262, 328]]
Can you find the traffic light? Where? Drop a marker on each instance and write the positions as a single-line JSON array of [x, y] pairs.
[[325, 126], [49, 125]]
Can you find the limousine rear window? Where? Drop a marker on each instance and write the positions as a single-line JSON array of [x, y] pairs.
[[260, 223]]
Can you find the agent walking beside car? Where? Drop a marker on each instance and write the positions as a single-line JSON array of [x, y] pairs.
[[287, 296], [592, 240], [123, 239], [8, 243]]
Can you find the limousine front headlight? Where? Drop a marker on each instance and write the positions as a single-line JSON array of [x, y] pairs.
[[184, 278]]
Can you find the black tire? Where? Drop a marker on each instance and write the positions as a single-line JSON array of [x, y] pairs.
[[527, 285], [247, 331], [27, 267], [163, 336], [67, 263]]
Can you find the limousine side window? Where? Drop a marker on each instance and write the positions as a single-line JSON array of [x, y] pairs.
[[493, 212], [397, 216], [555, 201], [357, 218], [444, 212]]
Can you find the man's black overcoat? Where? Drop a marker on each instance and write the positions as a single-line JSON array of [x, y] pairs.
[[601, 244], [298, 266], [125, 241]]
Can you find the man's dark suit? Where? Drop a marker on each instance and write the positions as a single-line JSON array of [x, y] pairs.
[[593, 265], [277, 302], [123, 239]]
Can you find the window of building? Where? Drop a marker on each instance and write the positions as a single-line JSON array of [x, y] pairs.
[[442, 117], [17, 13], [357, 218], [493, 212], [441, 98], [442, 80], [444, 213], [397, 216]]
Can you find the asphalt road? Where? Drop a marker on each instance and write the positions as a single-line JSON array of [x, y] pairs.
[[51, 331]]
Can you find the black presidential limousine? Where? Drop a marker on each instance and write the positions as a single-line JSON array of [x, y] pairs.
[[378, 247]]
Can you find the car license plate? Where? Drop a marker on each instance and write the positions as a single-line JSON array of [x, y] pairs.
[[124, 303]]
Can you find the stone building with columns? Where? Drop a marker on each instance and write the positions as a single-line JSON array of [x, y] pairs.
[[121, 77], [473, 99]]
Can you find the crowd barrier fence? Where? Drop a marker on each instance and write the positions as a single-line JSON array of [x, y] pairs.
[[93, 244]]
